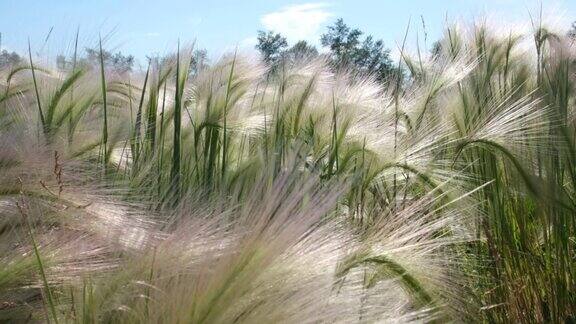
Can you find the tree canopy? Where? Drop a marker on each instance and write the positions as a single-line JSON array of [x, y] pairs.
[[271, 45], [363, 55], [116, 61], [301, 50], [9, 58], [347, 47]]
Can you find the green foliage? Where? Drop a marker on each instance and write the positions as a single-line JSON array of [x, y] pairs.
[[347, 51], [9, 59], [572, 31], [301, 51], [271, 46], [117, 61], [198, 61], [364, 56]]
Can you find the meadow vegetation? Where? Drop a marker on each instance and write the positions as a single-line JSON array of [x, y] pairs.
[[298, 192]]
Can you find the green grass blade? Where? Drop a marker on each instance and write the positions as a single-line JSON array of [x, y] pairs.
[[38, 101], [104, 146], [175, 172]]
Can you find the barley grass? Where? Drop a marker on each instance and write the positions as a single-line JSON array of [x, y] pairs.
[[244, 193]]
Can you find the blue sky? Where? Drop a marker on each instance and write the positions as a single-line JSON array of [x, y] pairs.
[[142, 27]]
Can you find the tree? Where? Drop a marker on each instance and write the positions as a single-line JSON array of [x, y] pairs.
[[271, 46], [342, 42], [301, 50], [372, 57], [8, 59], [572, 32], [436, 49], [274, 49], [348, 50], [61, 62], [198, 61], [117, 61]]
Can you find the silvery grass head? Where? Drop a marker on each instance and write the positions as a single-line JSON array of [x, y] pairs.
[[283, 253]]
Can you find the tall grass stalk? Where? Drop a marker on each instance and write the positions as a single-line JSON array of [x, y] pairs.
[[74, 62], [104, 145], [224, 126], [50, 299], [36, 91], [175, 171], [137, 132]]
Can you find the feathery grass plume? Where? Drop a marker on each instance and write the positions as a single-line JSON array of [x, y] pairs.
[[503, 94], [248, 262], [70, 237], [253, 263]]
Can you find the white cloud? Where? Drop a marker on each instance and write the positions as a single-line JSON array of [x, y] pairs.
[[152, 34], [298, 22]]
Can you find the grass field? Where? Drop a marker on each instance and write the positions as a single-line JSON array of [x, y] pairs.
[[296, 194]]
